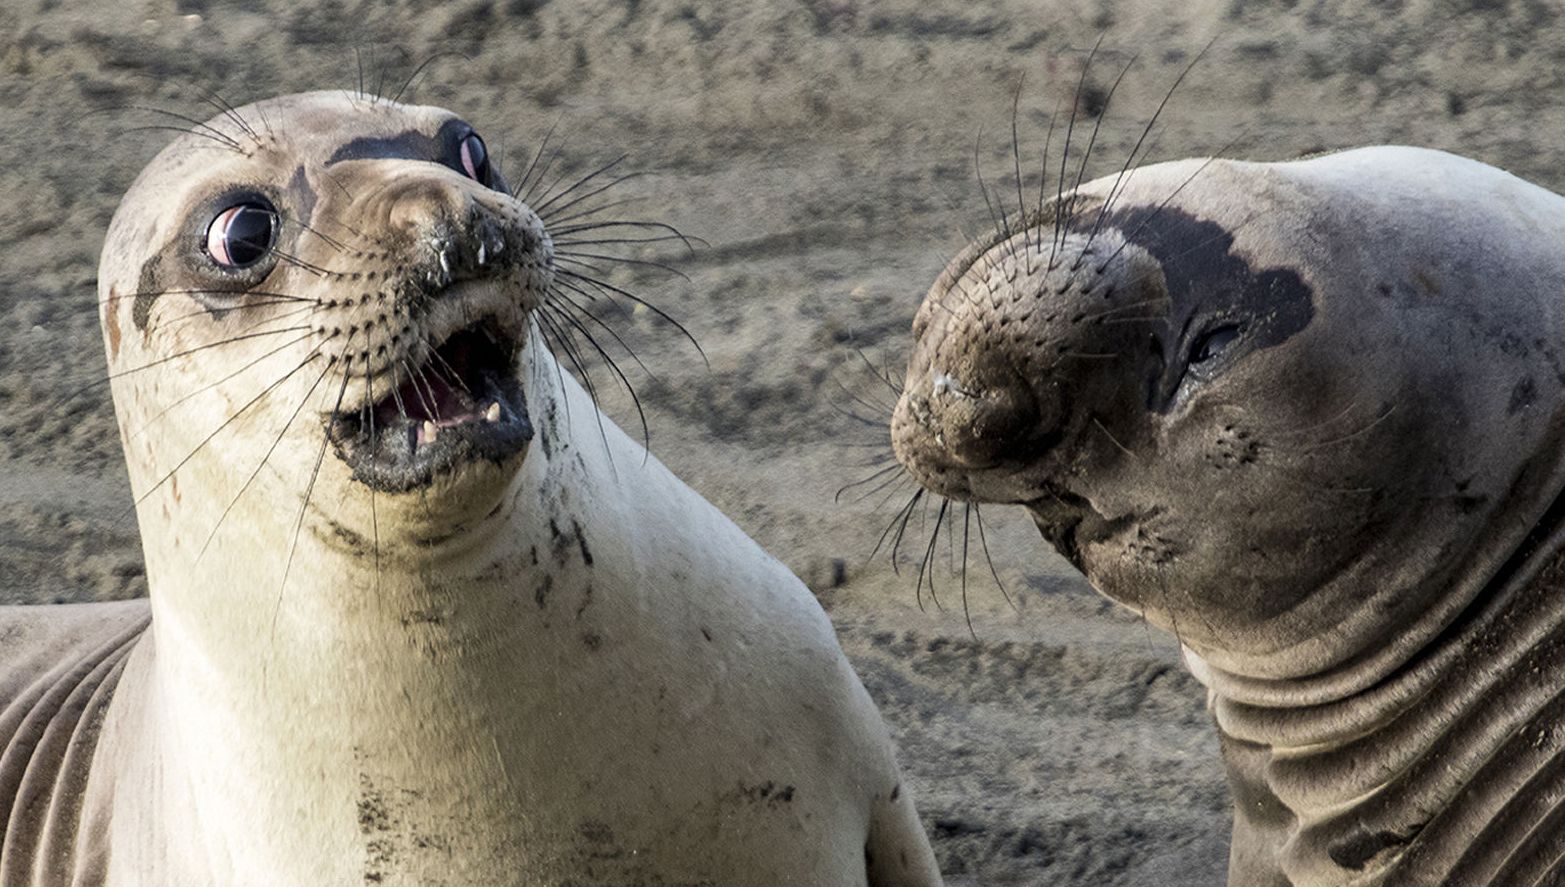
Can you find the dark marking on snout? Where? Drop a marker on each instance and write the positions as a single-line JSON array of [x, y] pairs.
[[1209, 283], [409, 145], [301, 196], [148, 285], [441, 147]]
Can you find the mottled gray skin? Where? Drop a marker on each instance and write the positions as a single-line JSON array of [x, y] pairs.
[[1308, 416], [548, 665]]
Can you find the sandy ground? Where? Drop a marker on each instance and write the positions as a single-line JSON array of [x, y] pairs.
[[824, 150]]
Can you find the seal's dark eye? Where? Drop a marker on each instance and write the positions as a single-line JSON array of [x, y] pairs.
[[1212, 343], [475, 158], [241, 235]]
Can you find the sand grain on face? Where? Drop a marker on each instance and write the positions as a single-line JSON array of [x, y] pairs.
[[825, 152]]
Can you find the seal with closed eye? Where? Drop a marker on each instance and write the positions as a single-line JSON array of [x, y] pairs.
[[1309, 416]]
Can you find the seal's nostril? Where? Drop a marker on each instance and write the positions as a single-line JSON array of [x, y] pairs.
[[980, 424]]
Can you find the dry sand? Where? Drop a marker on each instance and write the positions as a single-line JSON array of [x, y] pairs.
[[824, 149]]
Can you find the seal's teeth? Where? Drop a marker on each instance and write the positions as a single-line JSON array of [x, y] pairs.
[[445, 263], [428, 432], [493, 413], [481, 254]]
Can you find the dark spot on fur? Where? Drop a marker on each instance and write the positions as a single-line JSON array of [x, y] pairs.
[[592, 640], [111, 322], [559, 543], [1523, 395], [586, 601], [769, 793], [300, 195], [1468, 504], [581, 541], [532, 554], [706, 633], [356, 544], [1357, 849], [424, 617], [896, 791], [147, 288], [541, 593]]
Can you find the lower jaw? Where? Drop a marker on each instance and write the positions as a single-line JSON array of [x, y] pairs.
[[396, 462]]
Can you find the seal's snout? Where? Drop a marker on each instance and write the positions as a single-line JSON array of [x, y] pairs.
[[976, 420], [1009, 340], [464, 266]]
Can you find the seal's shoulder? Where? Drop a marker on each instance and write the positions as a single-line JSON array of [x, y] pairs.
[[59, 666]]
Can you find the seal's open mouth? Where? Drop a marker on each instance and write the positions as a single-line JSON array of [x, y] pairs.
[[463, 404]]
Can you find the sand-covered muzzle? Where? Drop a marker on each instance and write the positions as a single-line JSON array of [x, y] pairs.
[[1009, 343]]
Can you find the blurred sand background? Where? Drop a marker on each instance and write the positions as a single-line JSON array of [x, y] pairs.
[[824, 150]]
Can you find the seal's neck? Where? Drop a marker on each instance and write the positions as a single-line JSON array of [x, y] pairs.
[[1399, 775], [395, 691]]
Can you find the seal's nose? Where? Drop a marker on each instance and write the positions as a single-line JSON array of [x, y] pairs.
[[967, 406], [981, 420], [436, 198]]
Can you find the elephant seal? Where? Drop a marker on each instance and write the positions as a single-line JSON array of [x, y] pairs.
[[1308, 416], [418, 614]]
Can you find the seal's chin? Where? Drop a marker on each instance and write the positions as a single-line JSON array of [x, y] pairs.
[[464, 405]]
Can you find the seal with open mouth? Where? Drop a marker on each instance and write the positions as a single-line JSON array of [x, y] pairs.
[[418, 613], [1308, 416]]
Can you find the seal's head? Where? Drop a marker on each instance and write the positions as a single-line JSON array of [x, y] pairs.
[[1244, 403], [329, 291]]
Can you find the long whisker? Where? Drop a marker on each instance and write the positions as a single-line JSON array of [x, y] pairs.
[[925, 564], [226, 422], [871, 479], [186, 353], [646, 434], [309, 488], [967, 615], [541, 209], [984, 541], [602, 285], [1145, 131], [1081, 169], [269, 450], [131, 435], [1070, 129]]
